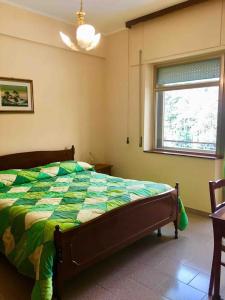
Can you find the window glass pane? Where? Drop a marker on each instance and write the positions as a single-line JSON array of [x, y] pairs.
[[189, 119], [191, 72]]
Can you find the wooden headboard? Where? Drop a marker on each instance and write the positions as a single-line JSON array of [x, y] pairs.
[[28, 160]]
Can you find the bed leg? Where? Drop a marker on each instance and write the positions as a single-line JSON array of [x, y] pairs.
[[58, 286], [176, 229], [159, 232], [57, 278], [177, 210]]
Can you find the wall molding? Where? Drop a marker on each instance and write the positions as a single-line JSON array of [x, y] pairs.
[[182, 55], [52, 46]]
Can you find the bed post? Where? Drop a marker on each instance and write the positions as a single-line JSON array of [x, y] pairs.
[[57, 279], [177, 210], [159, 232], [73, 151]]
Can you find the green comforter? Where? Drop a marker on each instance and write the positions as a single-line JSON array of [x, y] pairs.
[[34, 201]]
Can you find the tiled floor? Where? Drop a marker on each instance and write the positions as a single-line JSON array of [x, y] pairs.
[[153, 268]]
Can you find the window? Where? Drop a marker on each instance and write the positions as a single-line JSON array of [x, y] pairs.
[[187, 102]]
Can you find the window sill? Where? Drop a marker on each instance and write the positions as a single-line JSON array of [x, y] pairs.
[[188, 154]]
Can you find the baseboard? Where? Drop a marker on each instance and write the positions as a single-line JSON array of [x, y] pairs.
[[197, 212]]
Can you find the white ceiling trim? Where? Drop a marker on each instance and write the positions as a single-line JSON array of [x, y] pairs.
[[116, 31]]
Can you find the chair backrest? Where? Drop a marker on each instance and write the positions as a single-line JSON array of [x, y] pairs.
[[213, 186]]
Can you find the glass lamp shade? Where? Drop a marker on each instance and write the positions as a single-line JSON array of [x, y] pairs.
[[94, 42], [86, 37]]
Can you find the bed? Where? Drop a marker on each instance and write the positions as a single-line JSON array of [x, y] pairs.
[[58, 216]]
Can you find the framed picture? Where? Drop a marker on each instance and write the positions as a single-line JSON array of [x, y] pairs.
[[16, 95]]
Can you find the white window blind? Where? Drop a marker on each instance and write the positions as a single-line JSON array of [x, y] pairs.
[[196, 71]]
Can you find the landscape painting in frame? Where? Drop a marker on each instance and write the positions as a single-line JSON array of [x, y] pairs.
[[16, 95]]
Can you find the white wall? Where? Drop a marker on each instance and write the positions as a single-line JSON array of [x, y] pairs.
[[197, 29], [68, 87], [189, 32]]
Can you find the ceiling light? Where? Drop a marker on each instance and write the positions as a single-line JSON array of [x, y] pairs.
[[67, 41], [86, 37]]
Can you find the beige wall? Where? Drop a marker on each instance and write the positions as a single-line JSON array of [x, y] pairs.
[[68, 88], [190, 32]]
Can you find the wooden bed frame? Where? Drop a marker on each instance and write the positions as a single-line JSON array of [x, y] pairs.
[[83, 246]]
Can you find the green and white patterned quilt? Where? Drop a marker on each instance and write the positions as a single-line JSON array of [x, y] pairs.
[[34, 201]]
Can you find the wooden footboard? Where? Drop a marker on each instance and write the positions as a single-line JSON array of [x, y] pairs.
[[91, 242]]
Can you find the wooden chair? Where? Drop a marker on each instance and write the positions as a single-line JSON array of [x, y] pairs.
[[218, 218]]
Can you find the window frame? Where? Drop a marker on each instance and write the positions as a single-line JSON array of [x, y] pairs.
[[220, 139]]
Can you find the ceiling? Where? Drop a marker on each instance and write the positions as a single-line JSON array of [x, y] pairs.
[[106, 15]]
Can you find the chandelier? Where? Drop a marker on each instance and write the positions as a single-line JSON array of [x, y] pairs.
[[86, 37]]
